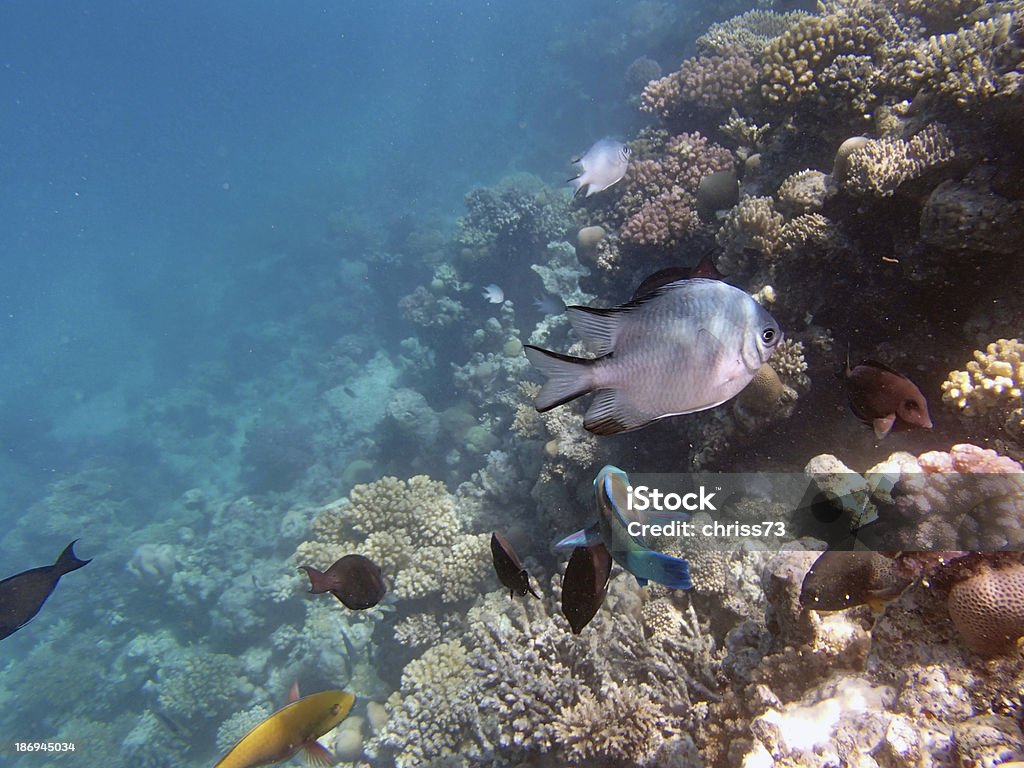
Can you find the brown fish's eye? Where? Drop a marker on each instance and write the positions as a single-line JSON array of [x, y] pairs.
[[768, 335], [910, 405]]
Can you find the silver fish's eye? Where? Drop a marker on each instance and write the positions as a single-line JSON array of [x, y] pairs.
[[768, 335]]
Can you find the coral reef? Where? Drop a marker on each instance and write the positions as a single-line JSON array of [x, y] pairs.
[[988, 393], [412, 529], [881, 165]]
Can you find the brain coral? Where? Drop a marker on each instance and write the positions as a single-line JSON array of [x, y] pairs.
[[988, 609]]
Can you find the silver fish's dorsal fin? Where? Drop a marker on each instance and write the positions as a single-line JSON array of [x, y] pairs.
[[598, 328], [611, 413]]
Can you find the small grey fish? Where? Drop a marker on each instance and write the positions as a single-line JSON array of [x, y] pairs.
[[685, 347], [604, 164]]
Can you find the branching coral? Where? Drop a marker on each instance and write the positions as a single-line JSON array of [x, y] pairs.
[[436, 707], [989, 391], [715, 84], [621, 724], [659, 200], [794, 60], [750, 31], [967, 67], [511, 220], [753, 225], [411, 529], [881, 165]]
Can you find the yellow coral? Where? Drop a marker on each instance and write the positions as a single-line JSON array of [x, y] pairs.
[[994, 379], [881, 165]]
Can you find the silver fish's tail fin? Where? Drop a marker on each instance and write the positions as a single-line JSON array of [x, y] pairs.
[[568, 377], [69, 561]]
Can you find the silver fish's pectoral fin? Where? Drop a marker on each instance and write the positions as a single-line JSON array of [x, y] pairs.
[[611, 413], [598, 328]]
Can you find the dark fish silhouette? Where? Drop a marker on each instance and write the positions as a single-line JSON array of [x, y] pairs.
[[510, 571], [841, 579], [705, 268], [885, 398], [355, 580], [22, 595], [585, 585]]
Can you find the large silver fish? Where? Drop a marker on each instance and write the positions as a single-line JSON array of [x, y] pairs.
[[686, 347], [603, 164]]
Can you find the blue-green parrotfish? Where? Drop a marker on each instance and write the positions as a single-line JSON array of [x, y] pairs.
[[631, 552], [684, 347], [602, 165], [23, 595]]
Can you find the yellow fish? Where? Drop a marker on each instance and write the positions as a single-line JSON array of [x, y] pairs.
[[295, 726]]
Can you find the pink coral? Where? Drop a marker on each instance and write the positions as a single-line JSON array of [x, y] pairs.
[[965, 457], [659, 200]]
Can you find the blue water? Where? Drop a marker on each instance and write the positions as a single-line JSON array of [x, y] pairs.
[[168, 174]]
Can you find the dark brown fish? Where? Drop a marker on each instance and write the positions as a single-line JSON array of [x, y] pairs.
[[22, 595], [355, 580], [510, 571], [585, 585], [705, 268], [885, 398], [841, 579]]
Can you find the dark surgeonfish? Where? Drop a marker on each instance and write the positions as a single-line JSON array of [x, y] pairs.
[[705, 268], [685, 347], [585, 585], [841, 579], [629, 551], [22, 595], [355, 580], [508, 567], [885, 398]]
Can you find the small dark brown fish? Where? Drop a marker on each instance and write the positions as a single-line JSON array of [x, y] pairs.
[[355, 580], [22, 595], [349, 391], [705, 268], [585, 585], [841, 579], [510, 571], [885, 398]]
